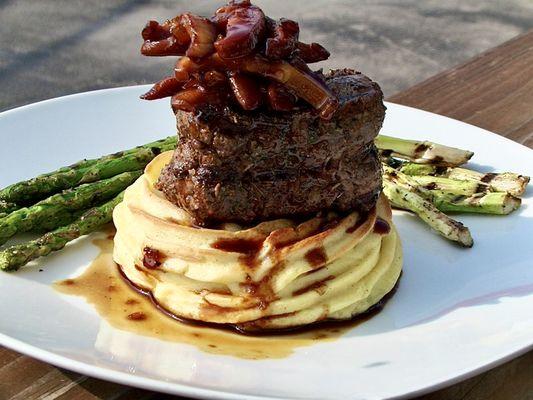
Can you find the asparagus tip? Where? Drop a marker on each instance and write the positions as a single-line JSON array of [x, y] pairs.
[[5, 264], [510, 204]]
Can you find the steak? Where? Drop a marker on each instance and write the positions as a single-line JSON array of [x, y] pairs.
[[236, 166]]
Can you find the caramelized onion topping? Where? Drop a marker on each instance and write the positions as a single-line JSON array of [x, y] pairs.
[[312, 53], [202, 33], [246, 89], [153, 31], [164, 47], [164, 88], [284, 39], [245, 26], [238, 56], [281, 98]]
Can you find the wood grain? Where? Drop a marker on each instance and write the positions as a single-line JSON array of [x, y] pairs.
[[493, 91], [24, 378]]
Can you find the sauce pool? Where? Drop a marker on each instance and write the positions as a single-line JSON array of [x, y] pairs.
[[102, 285]]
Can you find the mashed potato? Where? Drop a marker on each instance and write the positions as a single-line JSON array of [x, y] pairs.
[[276, 274]]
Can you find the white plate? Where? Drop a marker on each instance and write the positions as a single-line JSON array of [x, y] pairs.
[[457, 311]]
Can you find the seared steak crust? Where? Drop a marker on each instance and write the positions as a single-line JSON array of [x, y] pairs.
[[243, 167], [295, 193]]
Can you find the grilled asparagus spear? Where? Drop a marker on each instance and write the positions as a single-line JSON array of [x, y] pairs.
[[446, 185], [14, 257], [499, 203], [514, 184], [403, 194], [422, 152], [72, 200], [6, 208], [86, 171]]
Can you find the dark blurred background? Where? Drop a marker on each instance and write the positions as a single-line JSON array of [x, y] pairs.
[[50, 48]]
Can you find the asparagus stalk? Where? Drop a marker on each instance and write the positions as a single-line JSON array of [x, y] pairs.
[[61, 218], [499, 203], [422, 152], [508, 182], [514, 184], [86, 171], [451, 195], [449, 186], [158, 146], [14, 257], [404, 195], [6, 208], [413, 169], [46, 211]]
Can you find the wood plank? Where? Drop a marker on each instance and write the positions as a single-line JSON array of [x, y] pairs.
[[23, 378], [7, 356], [21, 374], [511, 381], [96, 389], [493, 91]]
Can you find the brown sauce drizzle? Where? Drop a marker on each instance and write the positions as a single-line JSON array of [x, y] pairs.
[[137, 316], [131, 308], [245, 246], [381, 226], [316, 256], [249, 248], [152, 258]]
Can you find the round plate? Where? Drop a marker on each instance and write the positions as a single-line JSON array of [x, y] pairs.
[[456, 313]]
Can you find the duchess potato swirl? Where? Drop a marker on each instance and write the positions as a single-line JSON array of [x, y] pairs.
[[274, 275]]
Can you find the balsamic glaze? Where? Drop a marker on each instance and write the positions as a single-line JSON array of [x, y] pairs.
[[115, 308], [248, 330], [381, 226], [316, 256], [152, 258], [245, 246], [137, 316], [249, 248]]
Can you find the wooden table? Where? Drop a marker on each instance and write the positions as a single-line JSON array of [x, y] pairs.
[[493, 91]]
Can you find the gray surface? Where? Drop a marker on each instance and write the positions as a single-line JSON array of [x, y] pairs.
[[50, 48]]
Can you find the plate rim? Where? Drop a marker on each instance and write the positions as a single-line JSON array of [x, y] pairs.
[[196, 392], [176, 388]]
